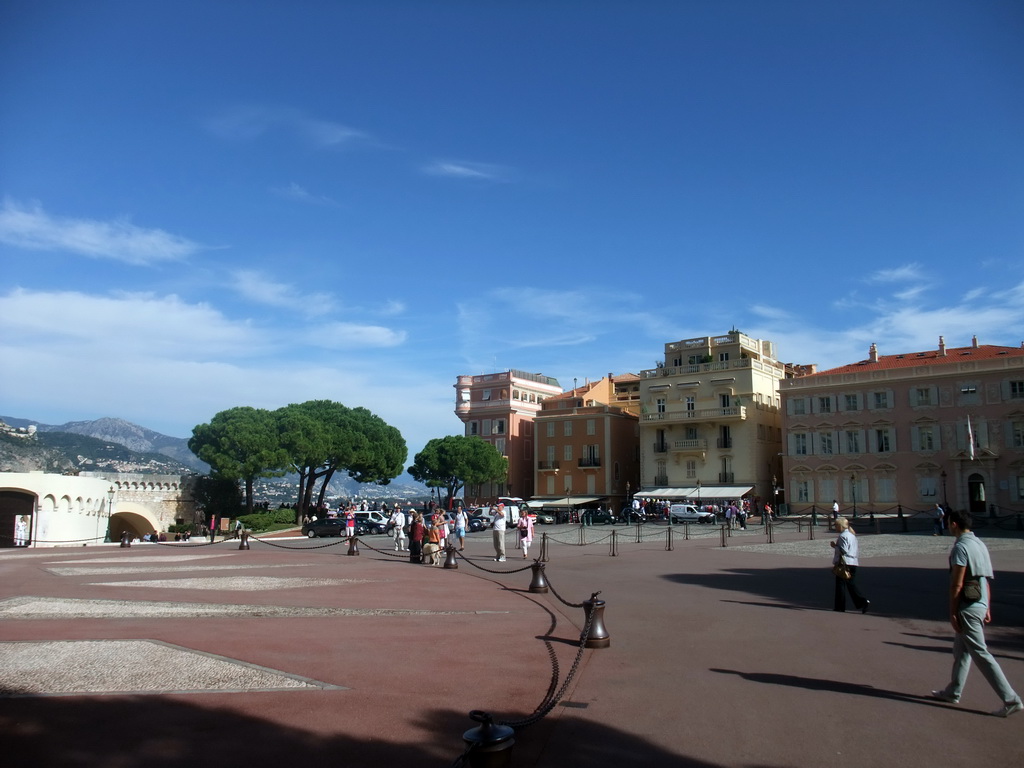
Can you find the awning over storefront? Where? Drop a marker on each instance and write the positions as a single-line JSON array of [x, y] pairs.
[[570, 501], [692, 493]]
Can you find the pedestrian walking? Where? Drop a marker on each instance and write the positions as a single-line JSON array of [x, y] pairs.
[[525, 530], [846, 549], [397, 520], [417, 532], [938, 517], [498, 532], [970, 600], [461, 523]]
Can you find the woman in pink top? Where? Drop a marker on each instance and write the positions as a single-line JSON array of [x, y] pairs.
[[525, 532]]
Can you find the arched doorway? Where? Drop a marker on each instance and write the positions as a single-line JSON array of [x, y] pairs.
[[134, 524], [976, 494], [13, 506]]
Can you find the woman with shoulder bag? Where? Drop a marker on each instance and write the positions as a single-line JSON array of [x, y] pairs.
[[844, 566]]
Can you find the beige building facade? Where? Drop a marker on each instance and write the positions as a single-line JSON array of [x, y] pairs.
[[710, 426], [500, 408], [908, 431], [587, 448]]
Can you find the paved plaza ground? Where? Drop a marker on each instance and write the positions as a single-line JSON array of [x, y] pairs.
[[295, 653]]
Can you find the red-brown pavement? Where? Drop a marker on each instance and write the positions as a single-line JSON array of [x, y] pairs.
[[718, 657]]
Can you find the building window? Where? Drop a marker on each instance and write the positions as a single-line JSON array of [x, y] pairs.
[[885, 489], [691, 433], [500, 445], [567, 428], [926, 487], [924, 396], [825, 405], [1017, 389], [803, 490], [591, 426], [485, 395], [725, 400], [800, 444], [515, 394], [567, 452], [852, 403], [499, 426], [1017, 437], [660, 403], [882, 441], [723, 357], [551, 455], [486, 428], [691, 404], [825, 445], [551, 429], [852, 441], [799, 406], [881, 399], [926, 438], [691, 467], [473, 428]]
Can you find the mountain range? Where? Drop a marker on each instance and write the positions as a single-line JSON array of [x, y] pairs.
[[116, 445]]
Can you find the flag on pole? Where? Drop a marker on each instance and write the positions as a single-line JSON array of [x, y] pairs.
[[970, 440]]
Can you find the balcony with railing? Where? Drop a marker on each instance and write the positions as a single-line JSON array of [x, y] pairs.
[[590, 462], [732, 413], [690, 446], [699, 368], [547, 465], [661, 479]]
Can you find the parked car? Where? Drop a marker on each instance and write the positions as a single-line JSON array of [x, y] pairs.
[[372, 516], [544, 518], [369, 527], [331, 526], [479, 522], [687, 513], [598, 516]]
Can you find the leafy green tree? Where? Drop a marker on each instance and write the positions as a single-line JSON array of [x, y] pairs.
[[322, 437], [216, 496], [456, 461], [241, 444]]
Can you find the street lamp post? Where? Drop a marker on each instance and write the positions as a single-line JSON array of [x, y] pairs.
[[853, 494], [110, 512], [945, 499]]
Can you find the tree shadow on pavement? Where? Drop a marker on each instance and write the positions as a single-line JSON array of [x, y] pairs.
[[166, 732]]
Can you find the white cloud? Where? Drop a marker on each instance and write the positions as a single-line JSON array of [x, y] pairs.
[[256, 286], [295, 191], [466, 170], [252, 122], [354, 335], [31, 227], [906, 273]]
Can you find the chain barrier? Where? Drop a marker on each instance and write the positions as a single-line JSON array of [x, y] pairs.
[[341, 540], [31, 542], [488, 570]]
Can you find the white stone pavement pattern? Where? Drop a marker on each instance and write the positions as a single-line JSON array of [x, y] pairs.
[[142, 666]]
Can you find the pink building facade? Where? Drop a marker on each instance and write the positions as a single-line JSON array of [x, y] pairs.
[[911, 430]]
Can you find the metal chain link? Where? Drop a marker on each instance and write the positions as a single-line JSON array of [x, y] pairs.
[[488, 570]]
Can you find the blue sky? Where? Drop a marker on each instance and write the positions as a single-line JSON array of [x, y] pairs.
[[217, 203]]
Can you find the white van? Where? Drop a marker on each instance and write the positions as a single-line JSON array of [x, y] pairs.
[[372, 516]]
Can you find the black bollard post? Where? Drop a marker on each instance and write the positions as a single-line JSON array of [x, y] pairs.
[[613, 547], [450, 561], [598, 637], [814, 515], [543, 547], [244, 535], [488, 745], [668, 540], [538, 584], [353, 545], [126, 540], [721, 530]]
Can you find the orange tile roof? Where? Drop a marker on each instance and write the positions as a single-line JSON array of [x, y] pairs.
[[931, 357]]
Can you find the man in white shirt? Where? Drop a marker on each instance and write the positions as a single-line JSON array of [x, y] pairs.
[[398, 521], [498, 532]]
